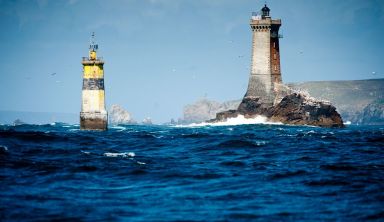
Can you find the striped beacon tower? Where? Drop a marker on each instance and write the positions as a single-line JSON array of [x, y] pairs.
[[93, 115], [265, 76]]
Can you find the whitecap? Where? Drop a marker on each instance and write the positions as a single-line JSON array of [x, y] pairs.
[[348, 123], [85, 152], [121, 128], [3, 148], [239, 120], [126, 154], [261, 143]]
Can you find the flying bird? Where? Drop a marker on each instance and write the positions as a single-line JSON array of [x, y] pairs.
[[52, 74]]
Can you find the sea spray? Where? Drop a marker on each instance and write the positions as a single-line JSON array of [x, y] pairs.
[[239, 120]]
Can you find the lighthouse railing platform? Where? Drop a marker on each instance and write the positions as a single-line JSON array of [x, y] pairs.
[[87, 61]]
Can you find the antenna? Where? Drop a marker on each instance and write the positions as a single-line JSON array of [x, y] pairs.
[[93, 46]]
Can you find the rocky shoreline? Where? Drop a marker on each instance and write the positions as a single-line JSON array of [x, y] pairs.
[[295, 109]]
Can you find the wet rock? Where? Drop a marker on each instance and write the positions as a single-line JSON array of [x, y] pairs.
[[298, 109], [251, 106], [295, 109]]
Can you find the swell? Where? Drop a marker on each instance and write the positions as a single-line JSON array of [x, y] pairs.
[[138, 173]]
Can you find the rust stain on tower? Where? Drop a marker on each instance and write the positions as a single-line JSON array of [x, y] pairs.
[[265, 77]]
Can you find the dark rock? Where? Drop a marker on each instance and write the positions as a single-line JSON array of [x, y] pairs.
[[251, 106], [351, 98], [295, 109], [226, 114], [302, 110]]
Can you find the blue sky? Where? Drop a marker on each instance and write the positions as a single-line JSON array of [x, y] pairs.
[[163, 54]]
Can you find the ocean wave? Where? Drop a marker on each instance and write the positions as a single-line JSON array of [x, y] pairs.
[[3, 149], [125, 154], [239, 120], [119, 128]]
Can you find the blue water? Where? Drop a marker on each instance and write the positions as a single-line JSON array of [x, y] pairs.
[[226, 173]]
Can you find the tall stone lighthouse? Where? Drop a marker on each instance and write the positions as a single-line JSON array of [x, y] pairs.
[[265, 76], [93, 115]]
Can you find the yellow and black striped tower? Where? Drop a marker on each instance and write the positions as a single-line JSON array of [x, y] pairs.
[[93, 115]]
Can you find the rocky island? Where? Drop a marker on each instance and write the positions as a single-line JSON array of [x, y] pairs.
[[118, 115], [295, 109], [266, 94]]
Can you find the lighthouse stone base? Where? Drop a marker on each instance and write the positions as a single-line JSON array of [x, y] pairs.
[[93, 121]]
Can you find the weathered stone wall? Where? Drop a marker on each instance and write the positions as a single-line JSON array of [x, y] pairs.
[[93, 121], [260, 79], [265, 64]]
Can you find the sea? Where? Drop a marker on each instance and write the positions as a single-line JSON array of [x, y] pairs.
[[256, 171]]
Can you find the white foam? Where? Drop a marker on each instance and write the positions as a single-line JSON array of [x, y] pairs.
[[121, 128], [239, 120], [127, 154], [348, 123], [4, 148]]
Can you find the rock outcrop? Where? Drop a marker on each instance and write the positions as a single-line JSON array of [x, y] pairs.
[[147, 121], [357, 101], [205, 109], [295, 109], [118, 115], [298, 109]]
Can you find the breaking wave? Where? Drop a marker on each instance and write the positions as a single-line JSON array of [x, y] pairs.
[[47, 172], [126, 154], [239, 120]]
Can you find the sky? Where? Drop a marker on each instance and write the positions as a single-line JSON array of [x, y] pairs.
[[161, 55]]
